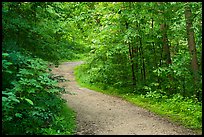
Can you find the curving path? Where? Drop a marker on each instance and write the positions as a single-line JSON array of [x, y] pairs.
[[100, 114]]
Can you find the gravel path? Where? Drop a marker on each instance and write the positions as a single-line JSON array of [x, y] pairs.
[[100, 114]]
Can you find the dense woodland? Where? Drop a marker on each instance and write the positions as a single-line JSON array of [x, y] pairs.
[[148, 50]]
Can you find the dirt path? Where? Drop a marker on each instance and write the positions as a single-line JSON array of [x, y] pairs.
[[100, 114]]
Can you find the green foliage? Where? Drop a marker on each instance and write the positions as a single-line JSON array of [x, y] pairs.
[[32, 34], [126, 51], [38, 28], [121, 33], [183, 110], [64, 124], [100, 68], [31, 99]]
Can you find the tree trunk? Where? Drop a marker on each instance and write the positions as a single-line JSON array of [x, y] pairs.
[[143, 61], [131, 59], [191, 44], [132, 65], [153, 47], [166, 51]]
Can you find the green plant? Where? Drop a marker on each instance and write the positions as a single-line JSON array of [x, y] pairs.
[[32, 98]]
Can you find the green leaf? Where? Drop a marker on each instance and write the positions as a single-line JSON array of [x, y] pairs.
[[29, 101], [14, 99], [7, 93], [5, 54], [18, 115], [4, 99]]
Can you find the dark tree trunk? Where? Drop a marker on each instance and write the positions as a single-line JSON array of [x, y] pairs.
[[166, 50], [153, 47], [191, 44], [132, 65], [143, 61], [131, 60]]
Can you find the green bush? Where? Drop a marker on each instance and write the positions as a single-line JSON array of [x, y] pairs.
[[31, 98]]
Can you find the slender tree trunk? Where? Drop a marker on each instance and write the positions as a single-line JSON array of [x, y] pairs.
[[143, 71], [201, 64], [154, 52], [131, 60], [166, 51], [160, 64], [191, 44], [153, 47], [136, 61], [184, 87], [143, 62], [132, 65], [163, 28]]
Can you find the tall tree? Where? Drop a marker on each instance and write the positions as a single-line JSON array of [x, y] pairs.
[[191, 43], [166, 50], [164, 28]]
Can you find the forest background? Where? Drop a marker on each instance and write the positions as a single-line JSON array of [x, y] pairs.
[[149, 53]]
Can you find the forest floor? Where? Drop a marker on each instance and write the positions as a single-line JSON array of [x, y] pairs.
[[101, 114]]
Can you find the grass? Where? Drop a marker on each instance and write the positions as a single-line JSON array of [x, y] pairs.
[[178, 110], [64, 124], [183, 113]]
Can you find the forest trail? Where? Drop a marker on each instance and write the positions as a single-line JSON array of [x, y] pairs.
[[100, 114]]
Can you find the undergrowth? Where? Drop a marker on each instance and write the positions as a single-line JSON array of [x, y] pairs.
[[31, 101], [64, 124]]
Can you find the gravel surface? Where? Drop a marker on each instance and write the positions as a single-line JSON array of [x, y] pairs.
[[101, 114]]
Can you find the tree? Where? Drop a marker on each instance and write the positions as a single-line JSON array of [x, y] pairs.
[[191, 44]]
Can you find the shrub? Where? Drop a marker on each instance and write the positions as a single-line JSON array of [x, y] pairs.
[[30, 98]]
